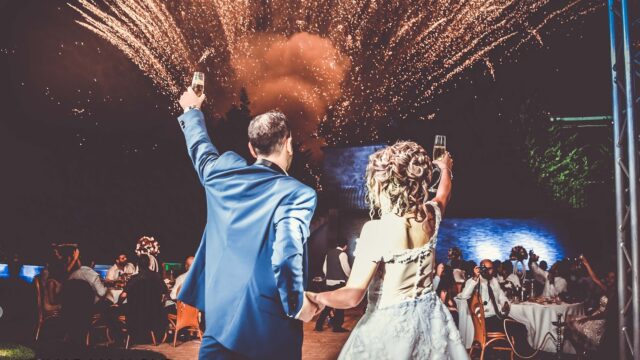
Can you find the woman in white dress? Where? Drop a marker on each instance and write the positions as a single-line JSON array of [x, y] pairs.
[[395, 260]]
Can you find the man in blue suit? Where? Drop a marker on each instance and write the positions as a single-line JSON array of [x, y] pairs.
[[249, 273]]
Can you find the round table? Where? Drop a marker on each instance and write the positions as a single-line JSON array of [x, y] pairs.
[[538, 319]]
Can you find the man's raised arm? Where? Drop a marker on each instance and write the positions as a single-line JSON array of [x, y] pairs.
[[201, 150]]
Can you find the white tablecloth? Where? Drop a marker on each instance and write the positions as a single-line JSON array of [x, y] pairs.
[[113, 295], [465, 325], [538, 319]]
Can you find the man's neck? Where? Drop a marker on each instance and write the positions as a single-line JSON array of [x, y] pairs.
[[280, 162]]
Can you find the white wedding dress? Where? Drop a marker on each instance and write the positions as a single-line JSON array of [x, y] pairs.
[[404, 317]]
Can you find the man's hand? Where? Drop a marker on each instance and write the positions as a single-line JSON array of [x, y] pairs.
[[190, 99], [506, 308], [309, 308], [440, 270], [476, 273]]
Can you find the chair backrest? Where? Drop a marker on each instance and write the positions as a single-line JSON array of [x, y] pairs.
[[39, 296], [77, 307], [187, 316], [476, 309], [145, 307]]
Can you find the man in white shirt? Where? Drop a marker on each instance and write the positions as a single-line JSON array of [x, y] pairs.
[[493, 298], [121, 266], [87, 274], [180, 279], [337, 270], [554, 284]]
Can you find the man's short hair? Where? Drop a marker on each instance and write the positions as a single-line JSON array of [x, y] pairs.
[[267, 131]]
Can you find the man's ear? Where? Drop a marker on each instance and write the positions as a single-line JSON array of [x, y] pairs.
[[289, 145], [252, 150]]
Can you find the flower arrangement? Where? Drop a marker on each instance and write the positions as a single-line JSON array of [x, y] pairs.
[[147, 245], [518, 253]]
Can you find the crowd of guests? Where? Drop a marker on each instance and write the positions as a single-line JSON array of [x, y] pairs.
[[567, 280], [73, 296]]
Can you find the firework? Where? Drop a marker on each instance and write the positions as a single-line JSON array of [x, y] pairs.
[[380, 60]]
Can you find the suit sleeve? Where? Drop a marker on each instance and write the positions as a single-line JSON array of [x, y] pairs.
[[193, 288], [201, 150], [291, 220]]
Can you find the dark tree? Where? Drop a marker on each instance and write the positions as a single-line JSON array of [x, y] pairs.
[[232, 129]]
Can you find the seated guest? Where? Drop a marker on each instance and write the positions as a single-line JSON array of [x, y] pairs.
[[145, 293], [19, 305], [454, 255], [554, 280], [586, 331], [459, 274], [445, 285], [494, 300], [53, 287], [77, 300], [496, 305], [86, 274], [497, 267], [508, 275], [121, 267], [543, 265], [180, 279]]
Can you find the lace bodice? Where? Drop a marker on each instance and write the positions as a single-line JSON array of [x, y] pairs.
[[405, 319], [402, 274]]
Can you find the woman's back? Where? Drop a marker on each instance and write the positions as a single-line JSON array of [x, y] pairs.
[[405, 250]]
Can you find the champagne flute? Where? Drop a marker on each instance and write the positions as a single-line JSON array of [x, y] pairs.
[[439, 147], [439, 150], [197, 84]]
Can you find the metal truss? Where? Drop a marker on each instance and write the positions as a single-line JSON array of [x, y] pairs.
[[624, 28]]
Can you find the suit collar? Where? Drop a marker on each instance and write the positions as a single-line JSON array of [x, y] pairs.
[[271, 165]]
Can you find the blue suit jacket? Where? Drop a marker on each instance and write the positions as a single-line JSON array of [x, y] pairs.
[[249, 272]]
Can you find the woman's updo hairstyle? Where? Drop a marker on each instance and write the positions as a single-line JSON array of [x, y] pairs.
[[402, 172]]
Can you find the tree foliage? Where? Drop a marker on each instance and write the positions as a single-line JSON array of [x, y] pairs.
[[562, 163]]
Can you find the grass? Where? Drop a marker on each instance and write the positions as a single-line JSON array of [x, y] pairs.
[[16, 352]]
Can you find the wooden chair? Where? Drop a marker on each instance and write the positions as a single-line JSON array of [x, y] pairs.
[[187, 317], [43, 316], [98, 324], [482, 339], [123, 320]]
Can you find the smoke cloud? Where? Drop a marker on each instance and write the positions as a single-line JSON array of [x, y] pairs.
[[300, 75]]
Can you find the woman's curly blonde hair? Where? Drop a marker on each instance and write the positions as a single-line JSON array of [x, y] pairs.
[[403, 172]]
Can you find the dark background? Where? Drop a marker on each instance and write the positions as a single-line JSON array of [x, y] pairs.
[[91, 152]]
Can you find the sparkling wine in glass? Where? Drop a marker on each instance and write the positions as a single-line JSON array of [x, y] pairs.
[[197, 84], [439, 150], [439, 147]]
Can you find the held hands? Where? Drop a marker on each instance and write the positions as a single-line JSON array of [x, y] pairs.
[[190, 99], [310, 307]]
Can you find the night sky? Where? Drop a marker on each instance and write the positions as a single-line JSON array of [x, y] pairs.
[[91, 151]]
